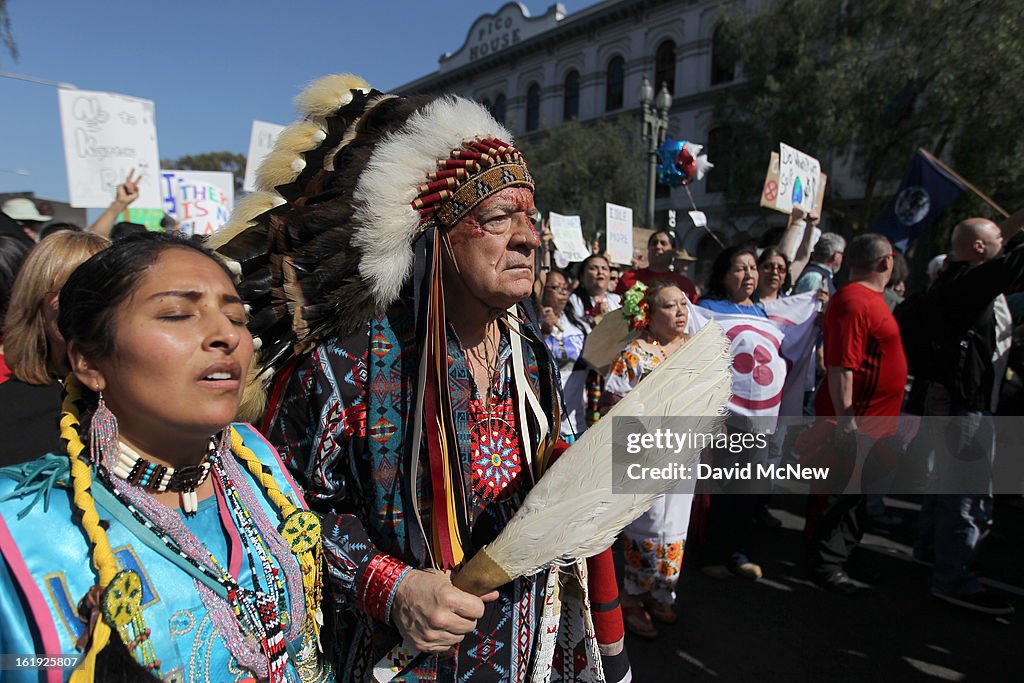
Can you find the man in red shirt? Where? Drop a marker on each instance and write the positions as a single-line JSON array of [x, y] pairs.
[[866, 372], [661, 252]]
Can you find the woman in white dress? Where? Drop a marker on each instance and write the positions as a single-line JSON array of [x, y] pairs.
[[654, 543]]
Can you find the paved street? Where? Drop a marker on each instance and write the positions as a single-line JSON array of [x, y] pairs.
[[785, 628]]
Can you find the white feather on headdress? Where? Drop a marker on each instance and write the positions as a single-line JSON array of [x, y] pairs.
[[386, 189]]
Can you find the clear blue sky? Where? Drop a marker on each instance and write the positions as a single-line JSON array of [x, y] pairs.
[[210, 66]]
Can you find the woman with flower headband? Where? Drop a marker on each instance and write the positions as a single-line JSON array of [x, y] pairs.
[[654, 543], [170, 543]]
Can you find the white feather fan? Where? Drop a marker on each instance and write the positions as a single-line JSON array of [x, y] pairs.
[[573, 510]]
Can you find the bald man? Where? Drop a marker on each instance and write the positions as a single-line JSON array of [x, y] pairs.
[[977, 330], [976, 240]]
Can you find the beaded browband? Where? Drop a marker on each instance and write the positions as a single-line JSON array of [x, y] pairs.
[[482, 167]]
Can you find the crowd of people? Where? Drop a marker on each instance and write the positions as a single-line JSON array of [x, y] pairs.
[[412, 369], [859, 370]]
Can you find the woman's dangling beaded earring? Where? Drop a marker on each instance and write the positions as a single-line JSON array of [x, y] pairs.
[[103, 440]]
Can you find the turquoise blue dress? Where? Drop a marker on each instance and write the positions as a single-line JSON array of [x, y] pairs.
[[47, 570]]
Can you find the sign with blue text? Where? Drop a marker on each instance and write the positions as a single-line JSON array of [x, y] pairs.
[[201, 201]]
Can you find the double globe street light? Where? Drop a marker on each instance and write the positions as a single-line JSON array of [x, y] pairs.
[[655, 127]]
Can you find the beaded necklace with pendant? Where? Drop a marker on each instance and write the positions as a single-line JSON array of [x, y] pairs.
[[256, 638]]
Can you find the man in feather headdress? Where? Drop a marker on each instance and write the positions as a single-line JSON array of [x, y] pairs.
[[384, 262]]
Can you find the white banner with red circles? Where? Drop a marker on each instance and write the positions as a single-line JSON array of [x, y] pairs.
[[765, 352]]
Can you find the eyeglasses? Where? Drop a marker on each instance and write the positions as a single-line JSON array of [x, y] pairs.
[[780, 267], [501, 223]]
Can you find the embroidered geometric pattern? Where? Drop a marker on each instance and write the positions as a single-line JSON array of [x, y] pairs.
[[365, 472], [494, 448]]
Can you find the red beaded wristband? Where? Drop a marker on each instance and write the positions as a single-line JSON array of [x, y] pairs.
[[377, 585]]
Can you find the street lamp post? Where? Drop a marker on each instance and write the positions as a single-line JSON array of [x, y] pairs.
[[655, 126]]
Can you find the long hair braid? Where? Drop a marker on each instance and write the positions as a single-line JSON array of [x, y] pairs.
[[103, 559], [310, 559], [102, 554]]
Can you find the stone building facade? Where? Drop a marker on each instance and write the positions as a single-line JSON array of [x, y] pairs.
[[536, 72]]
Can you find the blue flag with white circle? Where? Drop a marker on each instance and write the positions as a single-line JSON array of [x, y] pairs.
[[926, 192]]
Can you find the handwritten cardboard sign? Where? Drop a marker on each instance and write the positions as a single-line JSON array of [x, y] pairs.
[[261, 143], [201, 201], [798, 179], [106, 136], [568, 235], [619, 228], [770, 189]]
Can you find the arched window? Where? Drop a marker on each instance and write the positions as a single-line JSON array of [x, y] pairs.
[[499, 108], [719, 151], [665, 66], [571, 103], [723, 63], [615, 85], [532, 107]]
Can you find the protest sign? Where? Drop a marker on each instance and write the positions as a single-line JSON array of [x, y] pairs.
[[642, 236], [799, 177], [770, 189], [619, 227], [568, 236], [201, 201], [151, 218], [261, 143], [106, 136]]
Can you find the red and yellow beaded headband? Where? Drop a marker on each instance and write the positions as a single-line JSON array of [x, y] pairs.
[[480, 169]]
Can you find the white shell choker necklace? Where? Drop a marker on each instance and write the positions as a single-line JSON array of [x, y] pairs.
[[154, 478]]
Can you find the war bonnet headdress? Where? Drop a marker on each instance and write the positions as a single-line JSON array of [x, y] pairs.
[[328, 240], [348, 213]]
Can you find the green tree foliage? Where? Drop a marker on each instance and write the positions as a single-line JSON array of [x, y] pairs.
[[871, 81], [229, 162], [6, 36], [578, 167]]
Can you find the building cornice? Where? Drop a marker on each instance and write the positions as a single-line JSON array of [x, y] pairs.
[[583, 22]]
